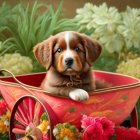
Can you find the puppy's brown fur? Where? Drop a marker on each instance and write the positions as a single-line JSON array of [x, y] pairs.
[[61, 80]]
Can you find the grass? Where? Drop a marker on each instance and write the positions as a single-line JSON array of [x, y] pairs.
[[28, 26]]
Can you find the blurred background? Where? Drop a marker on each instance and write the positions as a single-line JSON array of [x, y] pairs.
[[70, 6]]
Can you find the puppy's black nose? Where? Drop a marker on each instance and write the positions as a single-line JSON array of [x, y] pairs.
[[69, 61]]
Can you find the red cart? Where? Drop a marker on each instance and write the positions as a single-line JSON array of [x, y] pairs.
[[28, 103]]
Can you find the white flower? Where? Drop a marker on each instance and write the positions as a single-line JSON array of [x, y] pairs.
[[6, 122], [55, 131], [102, 23], [84, 15], [116, 31], [106, 16], [130, 28], [16, 63], [113, 43]]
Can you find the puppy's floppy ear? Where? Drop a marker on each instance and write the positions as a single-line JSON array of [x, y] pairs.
[[92, 48], [43, 52]]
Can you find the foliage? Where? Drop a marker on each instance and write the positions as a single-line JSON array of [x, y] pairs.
[[118, 32], [16, 63], [4, 13], [26, 26], [4, 136], [107, 61], [103, 22], [115, 30], [130, 67], [130, 27]]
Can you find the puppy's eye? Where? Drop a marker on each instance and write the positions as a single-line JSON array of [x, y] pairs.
[[77, 49], [59, 50]]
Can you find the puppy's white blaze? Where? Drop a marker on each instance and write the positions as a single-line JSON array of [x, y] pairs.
[[68, 53], [68, 37]]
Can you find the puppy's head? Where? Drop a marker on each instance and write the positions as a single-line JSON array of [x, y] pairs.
[[69, 52]]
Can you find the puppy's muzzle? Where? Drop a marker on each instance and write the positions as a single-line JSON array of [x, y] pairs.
[[68, 62]]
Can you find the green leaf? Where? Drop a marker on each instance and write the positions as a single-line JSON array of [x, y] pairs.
[[24, 26]]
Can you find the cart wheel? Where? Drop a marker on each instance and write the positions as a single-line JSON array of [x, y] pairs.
[[32, 119]]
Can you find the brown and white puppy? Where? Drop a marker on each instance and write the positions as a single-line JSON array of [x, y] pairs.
[[68, 57]]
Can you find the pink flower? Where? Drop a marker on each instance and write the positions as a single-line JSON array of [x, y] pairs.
[[87, 121], [108, 126], [3, 107], [97, 128], [93, 132], [45, 137]]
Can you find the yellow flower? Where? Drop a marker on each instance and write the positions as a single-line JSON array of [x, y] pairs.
[[66, 131], [26, 138], [3, 127], [44, 126], [8, 114], [4, 122]]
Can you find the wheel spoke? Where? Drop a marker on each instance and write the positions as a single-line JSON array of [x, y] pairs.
[[23, 112], [26, 108], [20, 120], [30, 104], [19, 126], [38, 112], [18, 131]]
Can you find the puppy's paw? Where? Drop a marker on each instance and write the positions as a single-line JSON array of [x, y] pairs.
[[78, 95]]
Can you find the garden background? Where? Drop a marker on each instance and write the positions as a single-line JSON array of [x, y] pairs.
[[25, 23]]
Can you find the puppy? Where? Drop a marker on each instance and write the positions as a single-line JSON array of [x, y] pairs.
[[68, 57]]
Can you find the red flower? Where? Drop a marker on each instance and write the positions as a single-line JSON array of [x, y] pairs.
[[97, 128], [3, 107], [127, 134], [120, 133], [108, 126], [131, 133], [138, 135]]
